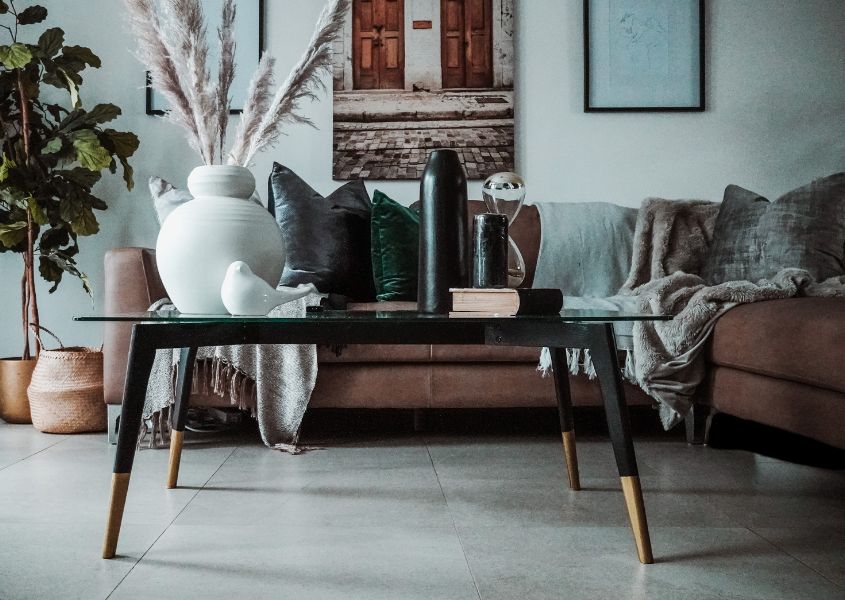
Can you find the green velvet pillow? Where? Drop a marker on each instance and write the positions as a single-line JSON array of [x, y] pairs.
[[395, 233]]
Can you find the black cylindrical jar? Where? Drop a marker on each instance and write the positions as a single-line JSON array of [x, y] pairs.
[[444, 239], [490, 251]]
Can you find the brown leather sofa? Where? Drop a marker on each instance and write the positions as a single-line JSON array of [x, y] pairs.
[[779, 363]]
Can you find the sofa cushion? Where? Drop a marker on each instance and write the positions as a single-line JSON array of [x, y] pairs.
[[754, 238], [395, 242], [327, 240], [798, 339]]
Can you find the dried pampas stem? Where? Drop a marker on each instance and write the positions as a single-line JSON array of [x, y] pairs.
[[258, 96], [226, 70], [187, 34], [303, 83], [155, 54], [175, 49]]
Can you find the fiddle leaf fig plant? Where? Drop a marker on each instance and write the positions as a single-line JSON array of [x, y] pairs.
[[54, 152]]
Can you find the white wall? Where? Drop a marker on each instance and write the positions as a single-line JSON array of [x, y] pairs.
[[775, 119]]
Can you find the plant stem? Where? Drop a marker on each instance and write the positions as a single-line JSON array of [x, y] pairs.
[[25, 355], [31, 309]]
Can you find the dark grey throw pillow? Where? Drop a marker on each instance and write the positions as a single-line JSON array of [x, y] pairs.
[[327, 240], [754, 238]]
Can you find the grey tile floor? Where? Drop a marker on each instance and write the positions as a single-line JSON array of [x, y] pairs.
[[405, 517]]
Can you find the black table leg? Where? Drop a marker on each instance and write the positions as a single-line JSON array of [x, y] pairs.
[[603, 349], [141, 356], [560, 371], [184, 380]]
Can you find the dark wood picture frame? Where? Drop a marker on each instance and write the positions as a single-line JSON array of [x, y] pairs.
[[235, 111], [700, 107]]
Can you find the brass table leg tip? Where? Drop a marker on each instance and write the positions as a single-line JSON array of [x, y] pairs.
[[119, 488], [571, 457], [636, 513], [176, 438]]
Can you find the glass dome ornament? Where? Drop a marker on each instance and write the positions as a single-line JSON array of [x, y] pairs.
[[504, 194]]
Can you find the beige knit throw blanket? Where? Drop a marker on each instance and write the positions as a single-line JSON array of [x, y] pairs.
[[273, 382], [671, 241]]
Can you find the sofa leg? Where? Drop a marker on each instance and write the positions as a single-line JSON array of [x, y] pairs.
[[697, 423], [113, 422]]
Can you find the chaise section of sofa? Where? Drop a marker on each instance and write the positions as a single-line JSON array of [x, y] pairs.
[[781, 363]]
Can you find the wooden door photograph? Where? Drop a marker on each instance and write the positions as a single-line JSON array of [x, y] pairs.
[[411, 76]]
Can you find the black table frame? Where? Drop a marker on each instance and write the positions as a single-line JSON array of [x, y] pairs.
[[598, 337]]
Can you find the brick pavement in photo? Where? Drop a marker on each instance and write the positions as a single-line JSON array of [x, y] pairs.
[[400, 150]]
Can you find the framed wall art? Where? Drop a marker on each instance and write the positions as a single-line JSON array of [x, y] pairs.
[[643, 55], [249, 36], [407, 80]]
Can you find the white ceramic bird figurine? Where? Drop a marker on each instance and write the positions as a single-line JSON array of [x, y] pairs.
[[245, 294]]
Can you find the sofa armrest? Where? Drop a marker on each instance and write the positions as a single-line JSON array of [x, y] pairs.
[[132, 284]]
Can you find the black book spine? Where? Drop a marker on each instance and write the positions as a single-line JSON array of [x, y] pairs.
[[539, 301]]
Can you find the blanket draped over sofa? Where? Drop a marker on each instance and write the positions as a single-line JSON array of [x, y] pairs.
[[670, 242]]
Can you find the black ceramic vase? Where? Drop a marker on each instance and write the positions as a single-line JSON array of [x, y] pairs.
[[444, 239]]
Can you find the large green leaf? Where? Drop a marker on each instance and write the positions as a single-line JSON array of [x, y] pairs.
[[51, 42], [32, 14], [4, 8], [72, 87], [81, 217], [12, 197], [50, 271], [53, 146], [89, 152], [37, 213], [83, 55], [64, 264], [5, 167], [128, 173], [81, 177], [15, 56], [123, 143], [102, 113], [12, 234]]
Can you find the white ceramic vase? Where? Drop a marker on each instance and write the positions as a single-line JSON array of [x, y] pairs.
[[201, 238]]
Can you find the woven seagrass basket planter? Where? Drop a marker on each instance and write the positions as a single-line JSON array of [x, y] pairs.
[[66, 392]]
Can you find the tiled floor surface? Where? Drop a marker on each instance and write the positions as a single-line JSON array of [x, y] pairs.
[[405, 517]]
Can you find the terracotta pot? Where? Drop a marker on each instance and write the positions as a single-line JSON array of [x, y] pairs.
[[15, 375]]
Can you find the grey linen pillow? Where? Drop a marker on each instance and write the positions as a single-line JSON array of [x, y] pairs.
[[166, 198], [755, 238]]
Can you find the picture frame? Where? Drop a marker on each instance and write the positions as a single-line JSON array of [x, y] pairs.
[[644, 56], [250, 17]]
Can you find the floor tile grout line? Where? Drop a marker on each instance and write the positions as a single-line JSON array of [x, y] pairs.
[[173, 520], [28, 456], [789, 554], [452, 519]]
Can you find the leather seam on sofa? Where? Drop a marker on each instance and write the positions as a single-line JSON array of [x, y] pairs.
[[777, 375]]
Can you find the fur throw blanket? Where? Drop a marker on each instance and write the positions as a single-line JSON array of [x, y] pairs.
[[671, 241]]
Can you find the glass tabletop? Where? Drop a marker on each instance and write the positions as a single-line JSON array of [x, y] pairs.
[[565, 316]]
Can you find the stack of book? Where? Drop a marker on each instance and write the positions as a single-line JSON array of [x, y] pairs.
[[473, 302]]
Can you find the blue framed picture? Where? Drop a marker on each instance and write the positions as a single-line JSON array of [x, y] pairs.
[[643, 55]]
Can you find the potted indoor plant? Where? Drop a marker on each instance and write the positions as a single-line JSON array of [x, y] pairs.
[[53, 153], [172, 45]]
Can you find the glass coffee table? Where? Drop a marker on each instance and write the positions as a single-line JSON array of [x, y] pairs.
[[585, 329]]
